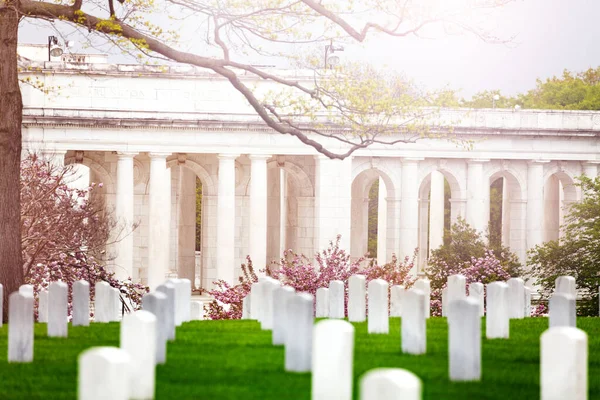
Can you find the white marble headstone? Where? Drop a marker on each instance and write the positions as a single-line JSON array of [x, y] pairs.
[[497, 322], [464, 340], [103, 374], [562, 310], [138, 339], [322, 303], [179, 299], [169, 290], [116, 305], [247, 307], [457, 289], [565, 285], [26, 289], [564, 364], [445, 300], [281, 296], [268, 286], [397, 293], [357, 298], [336, 299], [424, 285], [379, 321], [332, 360], [102, 302], [413, 323], [157, 303], [390, 384], [256, 299], [42, 306], [57, 309], [20, 327], [81, 303], [476, 292], [298, 347], [196, 311], [527, 302], [516, 298]]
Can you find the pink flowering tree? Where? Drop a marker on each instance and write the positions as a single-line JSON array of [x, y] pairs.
[[229, 299], [298, 271], [484, 269], [332, 264], [65, 231], [394, 273]]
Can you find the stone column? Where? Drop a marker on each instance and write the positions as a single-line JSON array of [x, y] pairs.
[[409, 208], [535, 203], [382, 224], [258, 210], [476, 196], [506, 213], [333, 192], [423, 231], [364, 233], [186, 224], [436, 211], [283, 211], [590, 169], [226, 218], [124, 215], [159, 218]]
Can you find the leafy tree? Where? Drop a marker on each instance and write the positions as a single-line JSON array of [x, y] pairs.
[[577, 253], [463, 244], [364, 105], [571, 91], [485, 99]]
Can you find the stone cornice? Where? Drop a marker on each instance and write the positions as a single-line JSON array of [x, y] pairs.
[[215, 122]]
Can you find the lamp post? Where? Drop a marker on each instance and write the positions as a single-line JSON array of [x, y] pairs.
[[330, 49], [494, 100], [54, 50]]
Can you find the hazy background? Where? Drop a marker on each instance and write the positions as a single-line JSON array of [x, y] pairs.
[[550, 36]]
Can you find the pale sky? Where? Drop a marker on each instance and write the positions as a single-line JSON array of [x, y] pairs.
[[551, 35]]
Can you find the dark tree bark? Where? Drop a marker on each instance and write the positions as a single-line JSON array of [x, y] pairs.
[[11, 108]]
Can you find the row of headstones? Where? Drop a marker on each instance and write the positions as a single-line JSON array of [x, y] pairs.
[[279, 308], [290, 316], [53, 310], [563, 363], [129, 372]]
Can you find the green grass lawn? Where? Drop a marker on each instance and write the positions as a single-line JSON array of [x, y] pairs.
[[235, 360]]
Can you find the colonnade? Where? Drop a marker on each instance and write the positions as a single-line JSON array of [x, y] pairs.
[[411, 205]]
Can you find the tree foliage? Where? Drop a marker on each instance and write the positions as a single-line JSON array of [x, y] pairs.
[[570, 91], [65, 231], [341, 111], [577, 253], [462, 245]]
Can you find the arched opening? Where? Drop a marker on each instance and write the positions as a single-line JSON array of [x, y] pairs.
[[369, 223], [192, 205], [506, 213], [559, 193], [290, 204]]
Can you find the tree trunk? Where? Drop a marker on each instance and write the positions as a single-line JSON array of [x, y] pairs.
[[11, 109]]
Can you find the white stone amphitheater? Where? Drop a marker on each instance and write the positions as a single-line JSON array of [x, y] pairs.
[[148, 133]]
